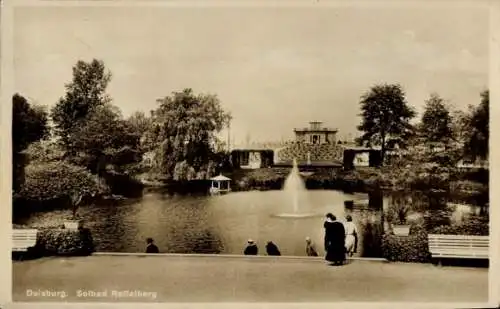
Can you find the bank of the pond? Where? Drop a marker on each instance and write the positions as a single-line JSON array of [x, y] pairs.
[[49, 190], [273, 178], [172, 237], [413, 248], [466, 186]]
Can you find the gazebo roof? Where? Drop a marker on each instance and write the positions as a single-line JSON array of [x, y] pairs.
[[221, 178]]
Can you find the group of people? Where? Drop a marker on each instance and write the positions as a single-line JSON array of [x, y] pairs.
[[272, 248], [252, 249], [341, 239]]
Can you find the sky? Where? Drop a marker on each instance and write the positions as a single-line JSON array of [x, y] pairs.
[[273, 68]]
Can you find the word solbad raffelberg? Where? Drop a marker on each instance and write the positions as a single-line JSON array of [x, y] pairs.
[[91, 294]]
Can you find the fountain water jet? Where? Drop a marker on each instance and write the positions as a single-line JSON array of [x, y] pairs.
[[295, 188]]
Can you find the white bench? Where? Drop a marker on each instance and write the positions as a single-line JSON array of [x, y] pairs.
[[22, 239], [458, 246]]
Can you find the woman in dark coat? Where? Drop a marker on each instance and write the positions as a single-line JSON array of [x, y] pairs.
[[334, 240]]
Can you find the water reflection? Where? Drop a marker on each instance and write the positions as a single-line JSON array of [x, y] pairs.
[[218, 224], [223, 224]]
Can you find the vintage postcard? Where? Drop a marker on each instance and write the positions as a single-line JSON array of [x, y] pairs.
[[248, 151]]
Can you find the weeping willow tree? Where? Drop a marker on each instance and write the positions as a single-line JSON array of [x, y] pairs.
[[183, 134]]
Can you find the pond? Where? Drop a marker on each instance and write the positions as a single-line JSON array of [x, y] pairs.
[[223, 224], [217, 224]]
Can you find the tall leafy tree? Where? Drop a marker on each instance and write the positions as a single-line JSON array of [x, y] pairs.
[[29, 124], [84, 93], [139, 122], [184, 129], [141, 125], [106, 138], [459, 127], [477, 125], [385, 115], [436, 125]]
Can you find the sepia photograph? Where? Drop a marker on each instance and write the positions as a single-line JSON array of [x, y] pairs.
[[320, 152]]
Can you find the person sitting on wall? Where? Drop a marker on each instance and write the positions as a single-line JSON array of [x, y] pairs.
[[151, 247], [310, 248], [251, 248], [272, 249]]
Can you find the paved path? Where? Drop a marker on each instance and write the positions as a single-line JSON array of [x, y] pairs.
[[243, 279]]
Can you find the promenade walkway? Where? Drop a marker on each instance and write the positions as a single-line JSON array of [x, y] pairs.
[[174, 278]]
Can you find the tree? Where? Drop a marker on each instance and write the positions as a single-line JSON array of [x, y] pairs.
[[139, 122], [84, 93], [105, 138], [141, 125], [29, 124], [436, 125], [477, 126], [385, 116], [184, 129], [43, 151], [58, 180], [420, 172], [459, 127]]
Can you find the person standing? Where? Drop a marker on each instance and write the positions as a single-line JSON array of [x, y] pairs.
[[334, 240], [251, 248], [351, 237], [151, 247]]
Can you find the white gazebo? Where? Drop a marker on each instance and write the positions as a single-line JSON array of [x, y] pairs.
[[220, 184]]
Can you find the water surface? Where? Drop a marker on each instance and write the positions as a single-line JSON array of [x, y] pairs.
[[215, 224]]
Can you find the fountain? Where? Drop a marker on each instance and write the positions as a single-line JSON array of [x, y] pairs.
[[295, 188]]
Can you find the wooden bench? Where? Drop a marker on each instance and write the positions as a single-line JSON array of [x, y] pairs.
[[458, 246], [23, 239]]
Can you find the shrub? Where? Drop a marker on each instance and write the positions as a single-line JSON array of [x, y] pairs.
[[467, 185], [57, 180], [411, 248], [399, 207], [65, 242], [265, 178], [469, 192], [475, 225], [436, 218]]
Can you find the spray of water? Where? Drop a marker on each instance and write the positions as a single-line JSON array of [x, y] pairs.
[[294, 186]]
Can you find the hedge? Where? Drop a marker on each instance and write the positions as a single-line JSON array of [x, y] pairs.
[[475, 225], [64, 242], [411, 248]]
